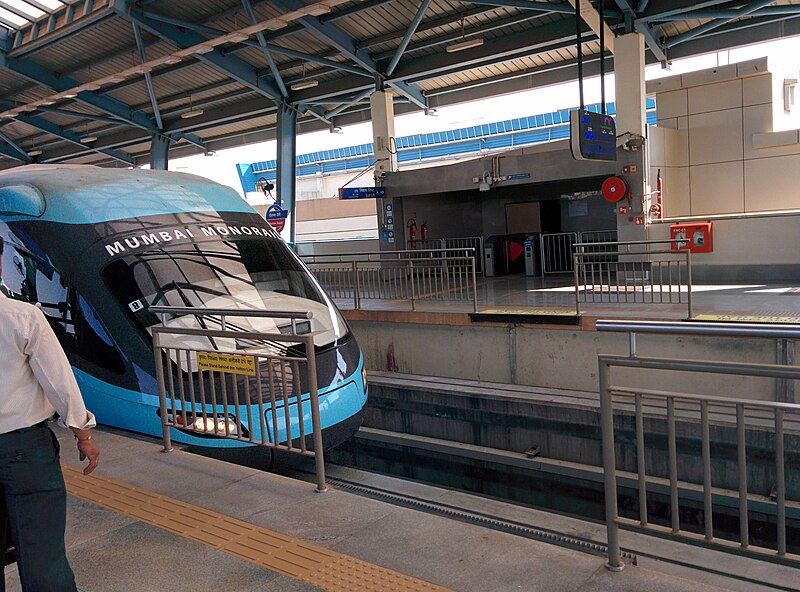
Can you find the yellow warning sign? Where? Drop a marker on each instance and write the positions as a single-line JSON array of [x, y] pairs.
[[529, 311], [737, 318], [226, 363]]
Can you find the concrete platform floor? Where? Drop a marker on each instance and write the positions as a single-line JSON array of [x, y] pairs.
[[111, 552], [515, 291]]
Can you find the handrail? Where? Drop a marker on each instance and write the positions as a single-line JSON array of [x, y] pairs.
[[701, 406], [640, 242], [709, 329], [214, 312], [398, 252]]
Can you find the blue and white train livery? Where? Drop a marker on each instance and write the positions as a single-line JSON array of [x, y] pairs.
[[96, 247]]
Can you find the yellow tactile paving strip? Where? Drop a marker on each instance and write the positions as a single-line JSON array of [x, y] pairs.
[[272, 550]]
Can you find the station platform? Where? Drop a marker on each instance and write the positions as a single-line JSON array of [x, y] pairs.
[[712, 302], [149, 521]]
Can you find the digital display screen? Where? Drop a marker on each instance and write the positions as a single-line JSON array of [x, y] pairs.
[[593, 136]]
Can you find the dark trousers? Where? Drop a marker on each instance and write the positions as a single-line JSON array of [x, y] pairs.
[[36, 502]]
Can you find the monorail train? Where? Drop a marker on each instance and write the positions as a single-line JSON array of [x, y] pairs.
[[95, 248]]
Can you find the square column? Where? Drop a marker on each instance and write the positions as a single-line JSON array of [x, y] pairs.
[[382, 114], [629, 64], [287, 164]]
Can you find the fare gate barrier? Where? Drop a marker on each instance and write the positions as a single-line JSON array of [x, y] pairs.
[[686, 412], [557, 250], [417, 275], [606, 273], [264, 394]]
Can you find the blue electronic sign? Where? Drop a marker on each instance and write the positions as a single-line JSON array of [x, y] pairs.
[[361, 192], [593, 136]]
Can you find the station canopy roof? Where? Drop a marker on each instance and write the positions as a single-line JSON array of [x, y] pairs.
[[92, 81]]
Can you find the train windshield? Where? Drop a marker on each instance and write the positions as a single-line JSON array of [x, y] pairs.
[[248, 274]]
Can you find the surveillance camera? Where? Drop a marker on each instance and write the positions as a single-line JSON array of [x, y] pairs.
[[380, 174]]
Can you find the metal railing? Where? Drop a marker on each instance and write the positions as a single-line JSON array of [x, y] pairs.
[[609, 273], [415, 275], [260, 390], [556, 252], [448, 244], [557, 249], [690, 416]]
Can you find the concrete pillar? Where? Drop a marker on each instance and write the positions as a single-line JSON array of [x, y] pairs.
[[287, 159], [629, 66], [382, 114], [159, 152]]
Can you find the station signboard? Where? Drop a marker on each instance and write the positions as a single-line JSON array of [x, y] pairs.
[[276, 217], [361, 192]]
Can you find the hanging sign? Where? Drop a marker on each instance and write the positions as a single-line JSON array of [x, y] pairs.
[[593, 136], [361, 192], [276, 217]]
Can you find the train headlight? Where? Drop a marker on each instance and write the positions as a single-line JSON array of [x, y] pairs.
[[207, 425], [364, 377]]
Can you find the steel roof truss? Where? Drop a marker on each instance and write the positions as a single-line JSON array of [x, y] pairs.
[[43, 7], [526, 5], [276, 75], [44, 77], [148, 80], [725, 13], [354, 101], [653, 44], [348, 47], [412, 28], [711, 25], [237, 69], [54, 130], [17, 11], [16, 151]]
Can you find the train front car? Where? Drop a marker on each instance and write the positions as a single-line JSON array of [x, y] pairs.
[[95, 248]]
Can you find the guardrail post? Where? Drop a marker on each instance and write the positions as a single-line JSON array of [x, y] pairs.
[[609, 468], [162, 392], [313, 393], [474, 286], [356, 287], [575, 263], [689, 282], [411, 268]]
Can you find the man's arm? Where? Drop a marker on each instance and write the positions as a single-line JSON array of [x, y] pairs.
[[53, 371]]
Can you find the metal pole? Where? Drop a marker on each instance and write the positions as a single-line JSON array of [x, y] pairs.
[[632, 344], [356, 287], [609, 468], [474, 286], [319, 458], [162, 392], [673, 467], [640, 461], [744, 535], [689, 282], [707, 499], [411, 268], [575, 263], [780, 482]]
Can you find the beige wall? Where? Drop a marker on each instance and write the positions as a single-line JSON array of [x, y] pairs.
[[724, 143]]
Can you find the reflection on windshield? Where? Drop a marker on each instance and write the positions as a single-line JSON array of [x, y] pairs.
[[257, 274]]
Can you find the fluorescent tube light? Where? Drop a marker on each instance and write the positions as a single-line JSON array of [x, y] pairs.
[[304, 84], [88, 139], [191, 113], [468, 44], [35, 153], [172, 59]]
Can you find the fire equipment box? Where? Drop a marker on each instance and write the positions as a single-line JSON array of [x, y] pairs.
[[699, 237]]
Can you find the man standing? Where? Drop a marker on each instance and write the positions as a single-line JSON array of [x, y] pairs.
[[37, 381]]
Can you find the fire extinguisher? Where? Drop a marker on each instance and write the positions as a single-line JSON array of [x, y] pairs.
[[423, 232], [412, 233]]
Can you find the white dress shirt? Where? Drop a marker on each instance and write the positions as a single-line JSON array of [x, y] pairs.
[[36, 379]]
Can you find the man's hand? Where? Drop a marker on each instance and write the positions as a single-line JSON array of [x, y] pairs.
[[88, 448]]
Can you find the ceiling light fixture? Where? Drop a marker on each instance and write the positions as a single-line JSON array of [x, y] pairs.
[[70, 95], [468, 44], [464, 43], [47, 102], [35, 153], [202, 48], [192, 112], [304, 84], [237, 37], [88, 139], [172, 59]]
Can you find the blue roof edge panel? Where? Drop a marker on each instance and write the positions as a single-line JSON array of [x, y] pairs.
[[511, 133]]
